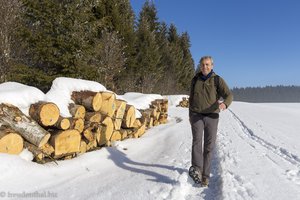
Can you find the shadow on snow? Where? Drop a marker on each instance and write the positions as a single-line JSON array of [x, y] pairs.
[[121, 160]]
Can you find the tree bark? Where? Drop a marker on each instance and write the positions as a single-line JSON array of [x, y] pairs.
[[25, 126], [93, 117], [45, 113], [37, 153], [92, 101]]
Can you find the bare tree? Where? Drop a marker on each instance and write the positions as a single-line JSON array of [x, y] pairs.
[[111, 58], [8, 15]]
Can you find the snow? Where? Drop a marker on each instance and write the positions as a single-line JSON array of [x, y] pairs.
[[173, 100], [257, 156], [139, 100], [62, 88], [20, 95]]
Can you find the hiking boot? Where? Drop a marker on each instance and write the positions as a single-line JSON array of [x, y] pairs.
[[204, 182], [195, 175]]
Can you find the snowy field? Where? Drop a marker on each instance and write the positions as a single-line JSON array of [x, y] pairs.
[[257, 157]]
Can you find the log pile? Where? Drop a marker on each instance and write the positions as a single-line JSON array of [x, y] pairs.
[[184, 102], [98, 119]]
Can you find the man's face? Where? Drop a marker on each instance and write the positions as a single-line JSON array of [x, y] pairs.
[[206, 66]]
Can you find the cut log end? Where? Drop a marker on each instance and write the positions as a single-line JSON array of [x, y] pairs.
[[11, 143], [77, 111], [65, 124], [65, 142], [97, 102], [45, 113], [49, 114], [129, 117]]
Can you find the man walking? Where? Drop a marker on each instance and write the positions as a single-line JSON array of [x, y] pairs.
[[208, 96]]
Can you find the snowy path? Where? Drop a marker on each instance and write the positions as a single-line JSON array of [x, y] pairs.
[[252, 167], [253, 160]]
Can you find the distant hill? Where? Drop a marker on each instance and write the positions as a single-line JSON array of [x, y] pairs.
[[267, 94]]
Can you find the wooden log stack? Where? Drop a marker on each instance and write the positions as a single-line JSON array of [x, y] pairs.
[[98, 119], [183, 103]]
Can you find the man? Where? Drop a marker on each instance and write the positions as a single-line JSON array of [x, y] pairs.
[[207, 90]]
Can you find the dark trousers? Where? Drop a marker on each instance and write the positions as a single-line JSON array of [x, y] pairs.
[[207, 125]]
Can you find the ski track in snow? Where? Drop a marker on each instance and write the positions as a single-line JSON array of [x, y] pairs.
[[292, 175], [235, 186], [283, 153]]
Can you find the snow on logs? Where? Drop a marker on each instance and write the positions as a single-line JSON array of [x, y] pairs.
[[98, 119]]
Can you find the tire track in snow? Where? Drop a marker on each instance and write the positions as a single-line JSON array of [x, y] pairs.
[[282, 152]]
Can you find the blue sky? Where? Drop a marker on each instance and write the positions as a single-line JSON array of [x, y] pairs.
[[253, 42]]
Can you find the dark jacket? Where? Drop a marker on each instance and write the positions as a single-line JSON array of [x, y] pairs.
[[203, 95]]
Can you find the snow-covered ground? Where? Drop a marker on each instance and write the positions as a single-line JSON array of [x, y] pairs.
[[257, 156]]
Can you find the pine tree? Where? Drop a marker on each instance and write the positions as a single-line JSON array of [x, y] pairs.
[[149, 13], [166, 83], [111, 58], [188, 66], [8, 14], [58, 36], [148, 56], [117, 17], [176, 54]]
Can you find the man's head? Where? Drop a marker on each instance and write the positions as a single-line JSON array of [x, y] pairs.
[[206, 65]]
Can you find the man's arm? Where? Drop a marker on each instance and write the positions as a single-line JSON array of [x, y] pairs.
[[226, 94]]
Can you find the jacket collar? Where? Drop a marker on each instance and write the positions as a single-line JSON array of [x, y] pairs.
[[204, 78]]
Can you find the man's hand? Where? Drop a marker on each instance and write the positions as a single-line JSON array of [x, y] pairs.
[[222, 106]]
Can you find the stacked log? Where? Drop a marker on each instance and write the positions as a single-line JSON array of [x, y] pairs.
[[98, 119], [65, 142], [45, 113], [184, 103], [25, 126], [77, 111], [92, 101], [119, 114], [129, 116], [108, 106], [107, 129], [156, 114], [10, 141]]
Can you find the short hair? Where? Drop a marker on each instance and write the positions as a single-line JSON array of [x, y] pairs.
[[205, 58]]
